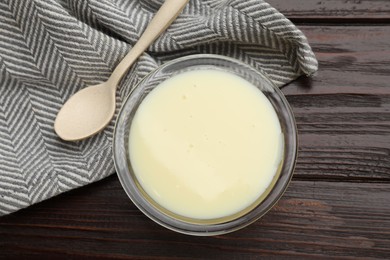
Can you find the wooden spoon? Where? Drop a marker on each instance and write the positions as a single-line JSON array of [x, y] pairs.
[[91, 109]]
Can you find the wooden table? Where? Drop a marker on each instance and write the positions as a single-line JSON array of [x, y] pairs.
[[338, 204]]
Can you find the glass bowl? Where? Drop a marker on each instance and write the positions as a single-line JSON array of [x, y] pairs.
[[202, 227]]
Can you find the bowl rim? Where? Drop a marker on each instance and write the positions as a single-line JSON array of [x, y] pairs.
[[170, 222]]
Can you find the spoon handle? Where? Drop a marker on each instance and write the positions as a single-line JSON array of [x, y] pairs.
[[167, 13]]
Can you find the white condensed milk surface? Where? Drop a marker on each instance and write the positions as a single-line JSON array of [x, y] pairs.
[[205, 144]]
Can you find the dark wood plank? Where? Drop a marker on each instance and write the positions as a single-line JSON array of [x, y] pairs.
[[352, 59], [334, 10], [312, 219], [343, 113], [341, 140]]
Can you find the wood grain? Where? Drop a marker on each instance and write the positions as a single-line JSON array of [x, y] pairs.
[[343, 113], [313, 219], [352, 59], [374, 11]]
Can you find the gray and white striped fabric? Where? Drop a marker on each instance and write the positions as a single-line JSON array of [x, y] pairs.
[[49, 49]]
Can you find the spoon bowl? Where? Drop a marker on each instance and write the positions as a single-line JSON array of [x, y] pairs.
[[91, 109], [88, 111]]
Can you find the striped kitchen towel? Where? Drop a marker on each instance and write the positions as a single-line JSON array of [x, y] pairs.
[[49, 49]]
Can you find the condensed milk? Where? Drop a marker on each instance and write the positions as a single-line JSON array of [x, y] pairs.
[[205, 144]]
